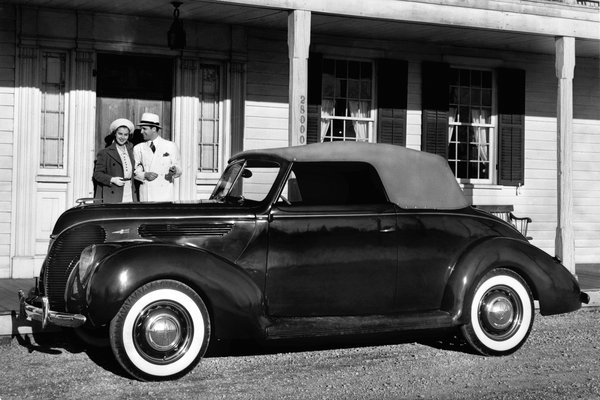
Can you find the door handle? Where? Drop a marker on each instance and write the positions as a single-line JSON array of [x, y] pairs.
[[388, 229]]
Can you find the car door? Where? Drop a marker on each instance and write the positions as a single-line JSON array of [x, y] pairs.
[[328, 256], [331, 261]]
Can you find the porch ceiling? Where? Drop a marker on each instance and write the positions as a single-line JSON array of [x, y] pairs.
[[322, 24]]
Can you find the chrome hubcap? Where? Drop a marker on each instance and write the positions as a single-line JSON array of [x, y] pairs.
[[163, 332], [500, 312]]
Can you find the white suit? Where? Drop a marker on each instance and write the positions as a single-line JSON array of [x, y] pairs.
[[165, 156]]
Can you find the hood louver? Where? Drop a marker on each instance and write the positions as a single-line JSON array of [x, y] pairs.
[[181, 230]]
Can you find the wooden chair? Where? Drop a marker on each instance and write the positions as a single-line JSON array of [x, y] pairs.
[[505, 212]]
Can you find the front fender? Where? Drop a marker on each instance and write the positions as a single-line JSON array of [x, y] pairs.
[[550, 282], [234, 300]]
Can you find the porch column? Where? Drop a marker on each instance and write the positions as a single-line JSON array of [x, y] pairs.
[[565, 65], [26, 131], [185, 125], [82, 124], [298, 44]]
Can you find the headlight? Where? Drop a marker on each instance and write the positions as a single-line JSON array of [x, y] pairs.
[[86, 261]]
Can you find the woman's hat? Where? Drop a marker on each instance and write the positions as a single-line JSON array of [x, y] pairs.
[[149, 119], [117, 123]]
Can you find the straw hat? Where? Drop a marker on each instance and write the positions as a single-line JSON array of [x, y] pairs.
[[149, 119]]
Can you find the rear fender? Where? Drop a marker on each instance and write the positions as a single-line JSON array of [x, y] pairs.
[[550, 282], [234, 300]]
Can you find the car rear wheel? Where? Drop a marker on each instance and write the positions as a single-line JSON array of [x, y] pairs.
[[500, 313], [161, 331]]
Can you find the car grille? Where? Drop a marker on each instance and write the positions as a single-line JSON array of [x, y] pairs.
[[63, 256], [180, 230]]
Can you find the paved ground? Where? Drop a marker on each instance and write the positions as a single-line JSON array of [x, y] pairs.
[[559, 361]]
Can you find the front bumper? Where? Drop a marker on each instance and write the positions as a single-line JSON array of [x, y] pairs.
[[28, 309]]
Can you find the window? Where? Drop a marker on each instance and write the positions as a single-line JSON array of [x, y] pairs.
[[347, 101], [334, 183], [475, 119], [470, 124], [53, 110], [210, 127]]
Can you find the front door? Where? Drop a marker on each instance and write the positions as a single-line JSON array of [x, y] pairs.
[[332, 260], [129, 86]]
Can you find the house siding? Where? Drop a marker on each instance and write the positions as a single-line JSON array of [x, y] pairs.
[[7, 104], [266, 110], [586, 164], [267, 106]]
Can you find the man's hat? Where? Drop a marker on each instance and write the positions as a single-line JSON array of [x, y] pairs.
[[117, 123], [149, 119]]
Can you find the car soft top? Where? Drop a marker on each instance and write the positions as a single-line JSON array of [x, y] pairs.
[[412, 179]]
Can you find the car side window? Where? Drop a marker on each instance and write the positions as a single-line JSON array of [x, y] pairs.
[[333, 183]]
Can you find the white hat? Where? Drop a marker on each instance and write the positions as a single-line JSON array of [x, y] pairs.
[[149, 119], [117, 123]]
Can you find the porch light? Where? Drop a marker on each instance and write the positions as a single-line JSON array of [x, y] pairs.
[[176, 34]]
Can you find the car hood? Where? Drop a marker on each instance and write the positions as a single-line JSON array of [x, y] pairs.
[[147, 211]]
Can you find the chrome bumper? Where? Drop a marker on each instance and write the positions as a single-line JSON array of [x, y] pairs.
[[47, 316]]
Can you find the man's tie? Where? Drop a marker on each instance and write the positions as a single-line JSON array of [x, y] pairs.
[[152, 147]]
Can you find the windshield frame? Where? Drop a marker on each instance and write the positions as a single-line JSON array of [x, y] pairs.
[[227, 180], [234, 171]]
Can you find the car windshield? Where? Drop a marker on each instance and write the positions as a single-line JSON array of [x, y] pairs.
[[246, 181]]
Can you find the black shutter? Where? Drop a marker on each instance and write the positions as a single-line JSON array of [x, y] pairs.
[[511, 127], [434, 134], [313, 128], [392, 79]]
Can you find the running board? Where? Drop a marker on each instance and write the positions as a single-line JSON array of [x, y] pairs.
[[297, 327]]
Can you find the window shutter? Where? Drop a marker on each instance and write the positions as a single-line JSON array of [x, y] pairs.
[[392, 80], [434, 134], [313, 128], [511, 127]]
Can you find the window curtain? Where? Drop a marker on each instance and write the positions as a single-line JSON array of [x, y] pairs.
[[326, 113], [452, 129], [478, 117], [358, 109]]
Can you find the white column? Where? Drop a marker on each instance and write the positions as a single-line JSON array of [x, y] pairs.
[[25, 163], [82, 109], [298, 45], [185, 125], [565, 65]]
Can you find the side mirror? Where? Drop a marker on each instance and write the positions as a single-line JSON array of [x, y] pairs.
[[246, 173]]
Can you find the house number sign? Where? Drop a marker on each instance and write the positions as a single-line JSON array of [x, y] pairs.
[[302, 116]]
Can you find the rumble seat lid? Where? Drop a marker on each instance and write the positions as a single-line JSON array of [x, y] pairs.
[[412, 179]]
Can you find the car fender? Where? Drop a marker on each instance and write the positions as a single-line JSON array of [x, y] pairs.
[[234, 300], [550, 282]]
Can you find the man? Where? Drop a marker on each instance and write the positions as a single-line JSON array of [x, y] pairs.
[[157, 162]]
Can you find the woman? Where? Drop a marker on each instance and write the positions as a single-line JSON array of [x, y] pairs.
[[114, 166]]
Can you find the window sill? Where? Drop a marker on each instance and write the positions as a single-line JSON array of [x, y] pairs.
[[486, 186]]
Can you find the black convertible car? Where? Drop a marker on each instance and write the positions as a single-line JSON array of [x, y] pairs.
[[318, 240]]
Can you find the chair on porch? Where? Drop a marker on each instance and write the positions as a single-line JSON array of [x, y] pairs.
[[505, 212]]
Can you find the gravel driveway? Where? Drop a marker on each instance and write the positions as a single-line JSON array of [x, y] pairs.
[[561, 360]]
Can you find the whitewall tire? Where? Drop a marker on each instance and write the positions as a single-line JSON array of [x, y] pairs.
[[500, 313], [161, 331]]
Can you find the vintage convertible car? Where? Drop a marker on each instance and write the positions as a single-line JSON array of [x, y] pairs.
[[300, 242]]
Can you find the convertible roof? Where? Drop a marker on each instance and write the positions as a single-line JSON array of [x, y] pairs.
[[412, 179]]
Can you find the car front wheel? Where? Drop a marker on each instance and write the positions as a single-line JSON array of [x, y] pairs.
[[500, 313], [161, 331]]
